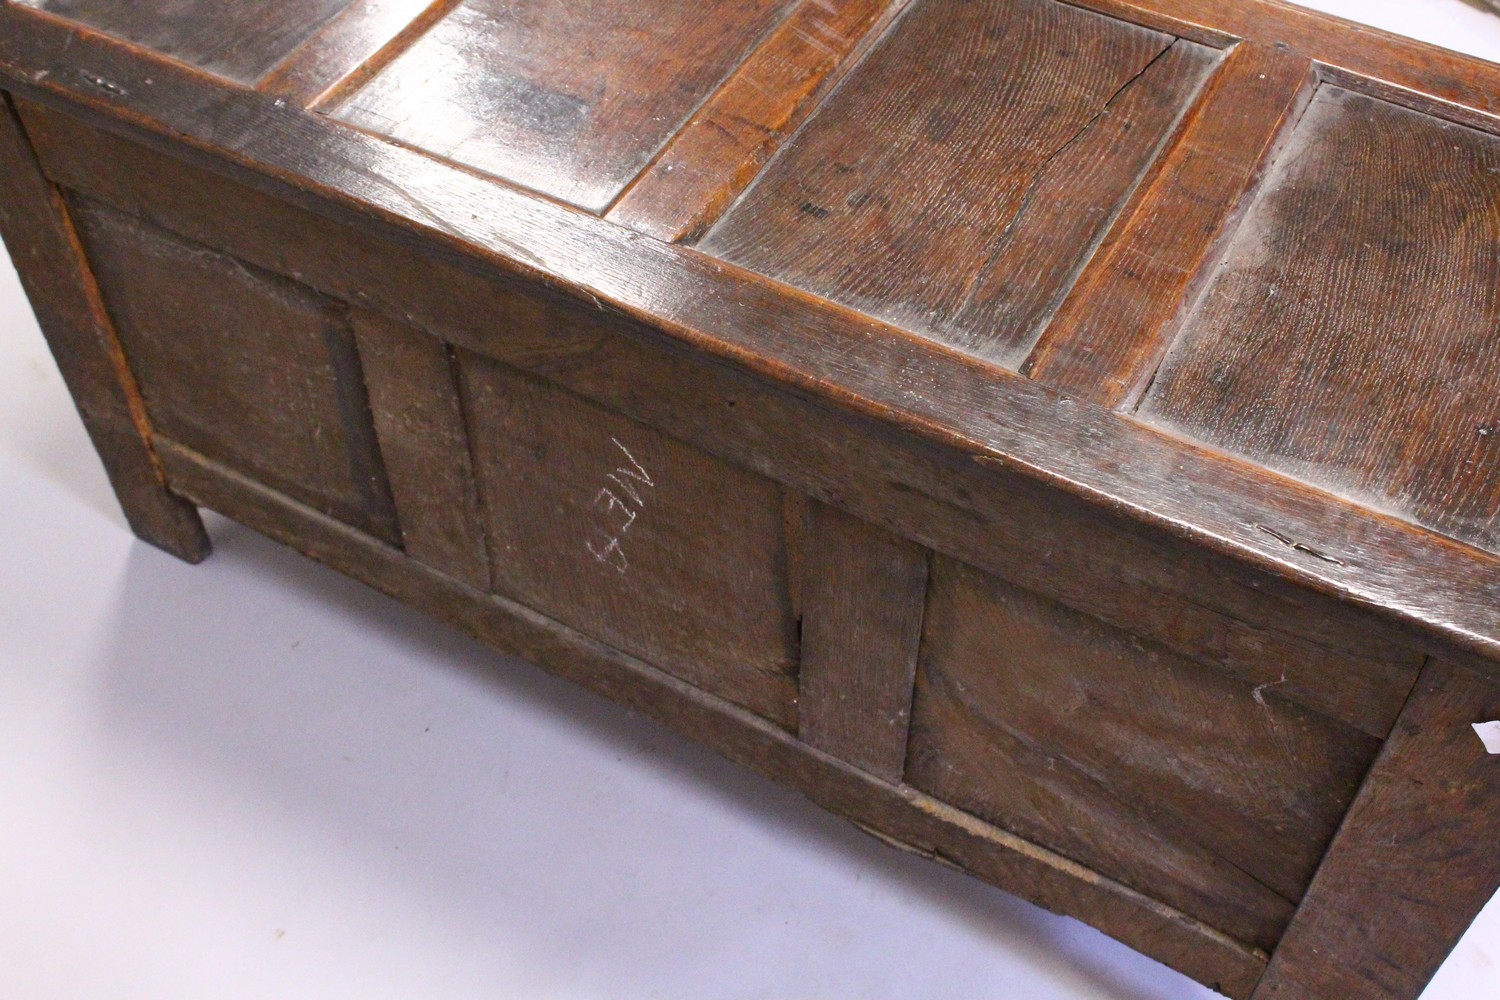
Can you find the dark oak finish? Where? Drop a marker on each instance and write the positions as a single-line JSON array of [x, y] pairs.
[[865, 590], [625, 534], [1024, 173], [299, 423], [570, 99], [916, 821], [419, 421], [1109, 334], [351, 48], [1122, 636], [716, 154], [44, 244], [1446, 593], [1420, 839], [1325, 655], [239, 39], [1378, 217], [1205, 792], [1429, 77]]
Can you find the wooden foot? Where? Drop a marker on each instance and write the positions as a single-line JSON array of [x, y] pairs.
[[49, 257]]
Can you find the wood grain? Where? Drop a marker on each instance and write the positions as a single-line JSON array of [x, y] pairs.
[[1205, 792], [1019, 174], [352, 47], [1362, 296], [1111, 330], [1167, 575], [720, 150], [569, 99], [1317, 652], [44, 245], [864, 595], [240, 40], [1445, 593], [909, 819], [629, 536], [243, 366], [1426, 76], [1414, 862], [419, 422]]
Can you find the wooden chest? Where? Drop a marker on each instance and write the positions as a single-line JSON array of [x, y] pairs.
[[1062, 438]]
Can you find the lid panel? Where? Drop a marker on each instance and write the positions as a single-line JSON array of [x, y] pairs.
[[569, 99], [1351, 336], [241, 40], [961, 176]]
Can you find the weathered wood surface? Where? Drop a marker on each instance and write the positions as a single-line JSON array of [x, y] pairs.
[[907, 816], [241, 40], [629, 536], [1323, 655], [1020, 175], [268, 382], [1362, 295], [1203, 791], [424, 443], [1108, 336], [716, 154], [43, 243], [1415, 861], [864, 595], [570, 99], [861, 365], [1425, 76], [821, 397], [351, 48]]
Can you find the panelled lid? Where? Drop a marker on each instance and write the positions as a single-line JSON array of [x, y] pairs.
[[1351, 334], [1231, 268], [569, 99]]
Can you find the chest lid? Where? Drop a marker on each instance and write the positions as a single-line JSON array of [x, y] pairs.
[[1230, 269]]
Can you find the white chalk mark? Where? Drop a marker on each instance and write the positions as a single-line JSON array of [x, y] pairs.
[[613, 502], [612, 555], [622, 508], [639, 473], [1257, 692], [628, 487]]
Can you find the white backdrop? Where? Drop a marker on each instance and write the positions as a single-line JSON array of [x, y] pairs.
[[256, 779]]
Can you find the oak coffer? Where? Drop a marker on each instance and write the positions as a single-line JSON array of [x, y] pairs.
[[1062, 438]]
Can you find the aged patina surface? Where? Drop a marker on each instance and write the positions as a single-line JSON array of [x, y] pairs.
[[1060, 437]]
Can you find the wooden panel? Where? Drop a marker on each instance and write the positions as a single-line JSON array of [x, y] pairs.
[[351, 48], [635, 539], [1008, 432], [905, 817], [243, 366], [241, 39], [1338, 660], [718, 152], [419, 421], [1200, 790], [571, 99], [44, 245], [1414, 862], [1110, 332], [1420, 72], [936, 407], [957, 181], [864, 595], [1349, 338]]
